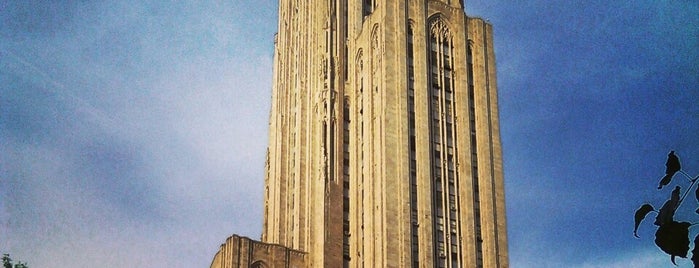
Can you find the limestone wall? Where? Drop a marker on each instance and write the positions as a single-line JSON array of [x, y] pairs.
[[243, 252]]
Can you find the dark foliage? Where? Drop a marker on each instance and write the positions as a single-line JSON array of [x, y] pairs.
[[672, 237], [667, 212], [640, 215], [7, 262], [672, 165]]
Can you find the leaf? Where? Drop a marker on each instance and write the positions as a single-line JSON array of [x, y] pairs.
[[673, 239], [667, 211], [665, 180], [672, 165], [640, 215]]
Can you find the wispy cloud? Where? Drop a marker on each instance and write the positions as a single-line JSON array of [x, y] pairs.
[[134, 132], [131, 134], [58, 89]]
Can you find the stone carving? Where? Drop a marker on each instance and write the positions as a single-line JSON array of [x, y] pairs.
[[439, 28], [445, 6], [324, 70]]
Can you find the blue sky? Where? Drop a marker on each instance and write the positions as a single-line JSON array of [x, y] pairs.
[[132, 133]]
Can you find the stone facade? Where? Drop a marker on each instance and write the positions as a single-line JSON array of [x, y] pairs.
[[384, 136], [242, 252]]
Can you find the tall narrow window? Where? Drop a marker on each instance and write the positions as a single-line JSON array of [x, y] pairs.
[[345, 40], [359, 123], [412, 169], [346, 185], [444, 195], [474, 158]]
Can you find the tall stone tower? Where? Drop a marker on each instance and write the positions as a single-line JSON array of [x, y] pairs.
[[384, 136]]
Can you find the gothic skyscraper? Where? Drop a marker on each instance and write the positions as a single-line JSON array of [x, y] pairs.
[[384, 143]]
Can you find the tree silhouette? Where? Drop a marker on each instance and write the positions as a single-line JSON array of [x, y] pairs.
[[672, 237], [7, 262]]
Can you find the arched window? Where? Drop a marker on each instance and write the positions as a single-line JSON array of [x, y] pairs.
[[258, 264], [445, 182]]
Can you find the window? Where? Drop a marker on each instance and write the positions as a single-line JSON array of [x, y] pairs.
[[258, 264], [368, 7], [411, 141], [441, 86], [345, 184]]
